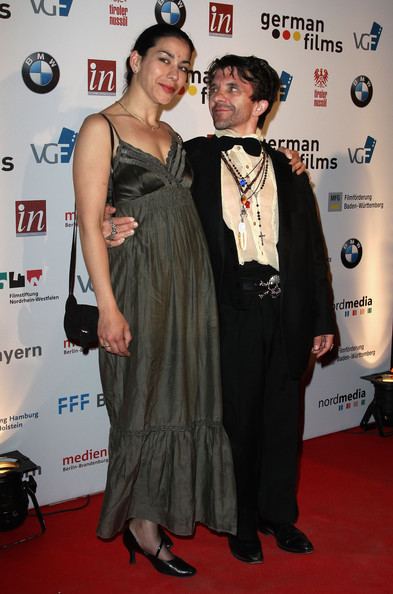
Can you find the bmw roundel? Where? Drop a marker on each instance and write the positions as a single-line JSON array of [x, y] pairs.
[[170, 12], [351, 253], [361, 91], [40, 72]]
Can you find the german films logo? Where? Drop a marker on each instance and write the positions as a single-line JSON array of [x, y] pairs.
[[308, 32], [101, 77], [220, 19]]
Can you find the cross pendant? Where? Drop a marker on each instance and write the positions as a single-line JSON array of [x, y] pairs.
[[261, 236]]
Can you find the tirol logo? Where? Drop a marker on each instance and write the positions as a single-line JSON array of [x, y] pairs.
[[368, 41], [220, 19], [40, 72], [5, 12], [101, 77], [53, 153], [321, 77], [118, 15], [51, 7], [361, 91], [170, 13], [30, 217], [363, 154], [351, 253], [285, 84], [300, 29]]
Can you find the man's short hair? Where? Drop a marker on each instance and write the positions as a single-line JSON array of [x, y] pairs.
[[263, 78]]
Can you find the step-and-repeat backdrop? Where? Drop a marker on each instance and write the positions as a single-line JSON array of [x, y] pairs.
[[63, 59]]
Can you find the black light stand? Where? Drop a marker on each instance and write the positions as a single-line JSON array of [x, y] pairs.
[[17, 485], [381, 407]]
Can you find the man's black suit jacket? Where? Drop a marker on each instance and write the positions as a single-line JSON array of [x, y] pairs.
[[306, 300]]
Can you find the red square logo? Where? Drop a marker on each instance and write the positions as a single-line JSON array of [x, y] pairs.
[[220, 19], [30, 217], [101, 77]]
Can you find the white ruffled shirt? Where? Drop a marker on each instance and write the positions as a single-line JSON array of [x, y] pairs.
[[253, 250]]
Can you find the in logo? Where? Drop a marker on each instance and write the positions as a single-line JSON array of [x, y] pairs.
[[220, 19], [30, 217], [335, 203], [351, 253], [52, 7], [285, 84], [56, 152], [170, 12], [5, 12], [369, 41], [40, 72], [101, 77], [363, 154], [361, 91]]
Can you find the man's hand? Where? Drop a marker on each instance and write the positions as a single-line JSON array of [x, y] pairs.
[[295, 161], [116, 229], [322, 344]]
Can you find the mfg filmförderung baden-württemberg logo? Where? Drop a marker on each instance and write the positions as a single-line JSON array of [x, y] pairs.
[[351, 253], [300, 29], [369, 41], [361, 91], [40, 72], [170, 12], [52, 7]]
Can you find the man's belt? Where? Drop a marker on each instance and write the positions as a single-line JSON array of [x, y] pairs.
[[270, 287]]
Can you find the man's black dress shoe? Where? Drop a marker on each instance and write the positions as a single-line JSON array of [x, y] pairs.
[[248, 551], [287, 536]]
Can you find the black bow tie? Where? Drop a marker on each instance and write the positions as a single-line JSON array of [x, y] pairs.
[[252, 146]]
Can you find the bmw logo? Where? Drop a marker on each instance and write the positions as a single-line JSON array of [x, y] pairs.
[[40, 72], [361, 91], [170, 12], [351, 253]]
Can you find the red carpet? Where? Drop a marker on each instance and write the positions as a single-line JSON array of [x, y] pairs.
[[346, 503]]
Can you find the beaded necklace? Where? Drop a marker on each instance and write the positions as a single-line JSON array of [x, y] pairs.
[[247, 190]]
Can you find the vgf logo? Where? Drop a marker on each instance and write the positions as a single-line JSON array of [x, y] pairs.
[[78, 402], [52, 7], [285, 84], [369, 41], [363, 154], [53, 153]]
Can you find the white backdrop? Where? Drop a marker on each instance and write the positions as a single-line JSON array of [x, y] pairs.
[[51, 404]]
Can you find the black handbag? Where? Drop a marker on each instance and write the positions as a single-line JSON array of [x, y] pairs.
[[80, 320]]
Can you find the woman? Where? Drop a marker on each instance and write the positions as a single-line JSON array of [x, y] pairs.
[[170, 462]]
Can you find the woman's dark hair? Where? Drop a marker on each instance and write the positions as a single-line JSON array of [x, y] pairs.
[[149, 37], [264, 79]]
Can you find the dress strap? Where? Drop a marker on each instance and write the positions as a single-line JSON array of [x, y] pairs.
[[111, 129], [110, 197]]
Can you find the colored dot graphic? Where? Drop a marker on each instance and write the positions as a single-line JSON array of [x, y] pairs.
[[286, 35], [192, 90]]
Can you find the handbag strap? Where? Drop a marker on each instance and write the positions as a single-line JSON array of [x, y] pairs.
[[71, 274]]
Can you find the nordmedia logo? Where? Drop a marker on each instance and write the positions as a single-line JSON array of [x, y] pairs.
[[52, 7], [344, 401], [310, 33], [54, 153], [368, 41], [363, 155], [352, 308], [285, 84], [220, 19]]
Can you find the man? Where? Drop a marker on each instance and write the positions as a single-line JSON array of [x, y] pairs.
[[273, 293]]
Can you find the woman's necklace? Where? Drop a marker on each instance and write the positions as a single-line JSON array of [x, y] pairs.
[[137, 117]]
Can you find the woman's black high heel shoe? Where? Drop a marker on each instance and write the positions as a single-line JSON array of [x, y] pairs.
[[163, 535], [175, 567]]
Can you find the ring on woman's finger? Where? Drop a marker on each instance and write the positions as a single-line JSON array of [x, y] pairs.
[[106, 346], [113, 231]]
